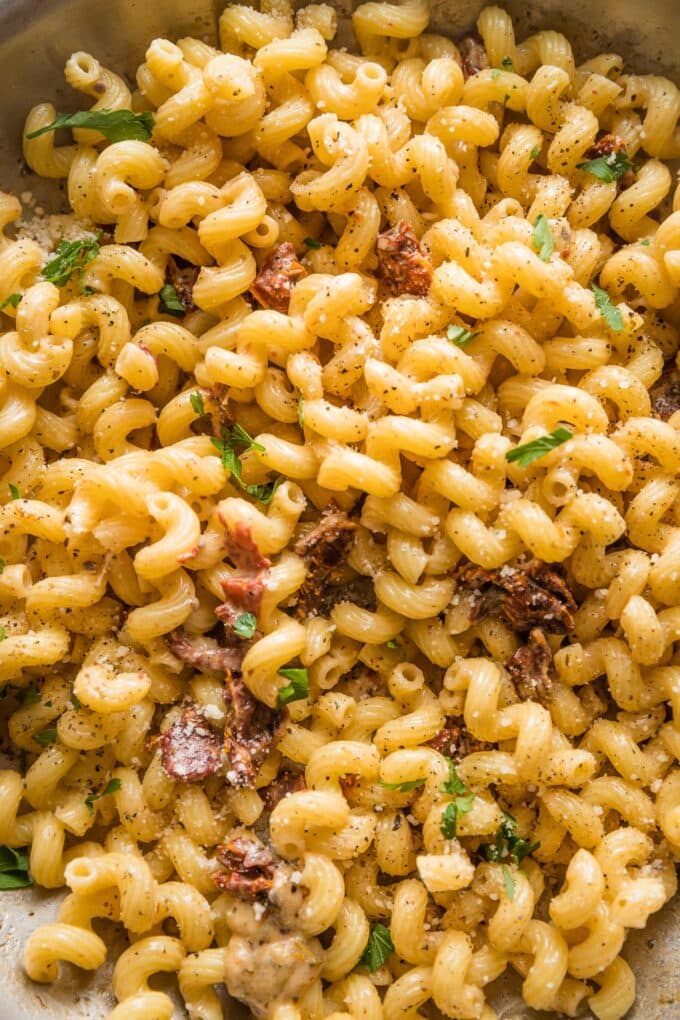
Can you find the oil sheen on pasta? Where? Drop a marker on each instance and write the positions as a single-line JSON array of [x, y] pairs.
[[309, 686]]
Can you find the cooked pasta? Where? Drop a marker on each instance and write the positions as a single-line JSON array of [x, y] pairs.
[[340, 553]]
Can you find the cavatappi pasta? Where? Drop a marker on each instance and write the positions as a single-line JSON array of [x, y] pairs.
[[340, 577]]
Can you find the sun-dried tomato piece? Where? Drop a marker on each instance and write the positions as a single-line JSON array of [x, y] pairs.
[[190, 749], [328, 543], [534, 596], [221, 417], [249, 867], [665, 395], [605, 146], [402, 263], [273, 285], [325, 549], [250, 731], [472, 55], [286, 782], [243, 592], [455, 740], [529, 668], [243, 595], [183, 278], [242, 549], [204, 652]]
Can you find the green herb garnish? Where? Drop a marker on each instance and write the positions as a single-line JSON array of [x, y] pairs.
[[2, 564], [460, 806], [393, 644], [378, 948], [508, 843], [238, 437], [12, 300], [495, 74], [542, 238], [509, 882], [507, 64], [263, 493], [296, 690], [3, 634], [170, 303], [115, 125], [406, 787], [610, 313], [607, 168], [14, 872], [14, 491], [71, 257], [312, 242], [112, 787], [245, 625], [46, 737], [534, 153], [527, 453], [197, 405], [459, 335], [454, 784], [29, 696]]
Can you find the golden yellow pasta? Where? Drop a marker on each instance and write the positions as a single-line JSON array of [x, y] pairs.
[[340, 545]]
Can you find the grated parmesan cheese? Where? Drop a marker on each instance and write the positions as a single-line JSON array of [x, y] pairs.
[[48, 231], [213, 712]]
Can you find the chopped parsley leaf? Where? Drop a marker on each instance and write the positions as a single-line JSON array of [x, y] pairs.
[[527, 453], [296, 690], [71, 257], [169, 302], [508, 843], [231, 461], [459, 335], [509, 882], [112, 787], [12, 300], [405, 787], [115, 125], [454, 784], [459, 806], [29, 696], [610, 313], [197, 405], [378, 948], [542, 238], [245, 625], [14, 873], [607, 168], [46, 737]]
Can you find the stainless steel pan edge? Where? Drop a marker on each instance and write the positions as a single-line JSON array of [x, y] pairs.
[[36, 37]]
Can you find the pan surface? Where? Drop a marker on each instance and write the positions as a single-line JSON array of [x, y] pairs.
[[36, 37]]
